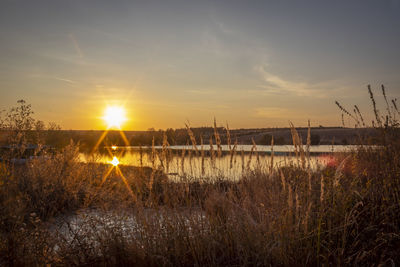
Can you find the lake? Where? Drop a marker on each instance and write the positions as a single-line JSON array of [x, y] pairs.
[[184, 162]]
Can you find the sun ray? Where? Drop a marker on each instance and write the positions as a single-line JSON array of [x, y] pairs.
[[107, 174], [126, 183], [124, 138], [100, 140], [109, 151], [102, 182]]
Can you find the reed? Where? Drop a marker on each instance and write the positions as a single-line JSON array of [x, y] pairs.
[[242, 160], [228, 137], [183, 160], [376, 111], [271, 168], [217, 139], [192, 137], [292, 215], [153, 154], [212, 153], [202, 156]]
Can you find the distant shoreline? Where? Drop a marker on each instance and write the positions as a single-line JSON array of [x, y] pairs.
[[261, 136]]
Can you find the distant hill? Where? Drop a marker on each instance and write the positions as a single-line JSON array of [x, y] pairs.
[[319, 136], [261, 136]]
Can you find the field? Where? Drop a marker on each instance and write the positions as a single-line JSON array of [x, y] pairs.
[[58, 211]]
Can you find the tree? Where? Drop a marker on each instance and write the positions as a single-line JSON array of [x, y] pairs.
[[19, 118], [18, 123]]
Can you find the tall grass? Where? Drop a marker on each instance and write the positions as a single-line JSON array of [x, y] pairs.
[[344, 214]]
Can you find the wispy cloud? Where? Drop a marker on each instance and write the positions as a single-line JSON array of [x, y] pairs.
[[275, 84], [76, 45], [45, 76], [223, 27], [64, 80], [218, 38]]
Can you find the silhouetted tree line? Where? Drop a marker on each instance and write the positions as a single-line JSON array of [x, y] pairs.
[[17, 126]]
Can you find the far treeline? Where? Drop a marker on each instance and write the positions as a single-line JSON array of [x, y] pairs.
[[57, 138]]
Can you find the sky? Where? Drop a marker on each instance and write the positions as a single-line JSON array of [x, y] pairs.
[[252, 64]]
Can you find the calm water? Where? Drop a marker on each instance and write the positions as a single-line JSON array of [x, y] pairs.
[[184, 162], [260, 148]]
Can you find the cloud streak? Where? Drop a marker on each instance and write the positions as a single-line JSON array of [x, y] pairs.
[[64, 80], [76, 45], [275, 84]]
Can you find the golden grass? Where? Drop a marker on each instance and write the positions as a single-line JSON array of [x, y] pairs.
[[58, 211], [292, 216]]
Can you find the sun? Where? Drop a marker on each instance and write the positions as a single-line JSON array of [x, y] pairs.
[[114, 116]]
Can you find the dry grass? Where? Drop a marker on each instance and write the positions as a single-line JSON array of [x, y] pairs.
[[347, 214]]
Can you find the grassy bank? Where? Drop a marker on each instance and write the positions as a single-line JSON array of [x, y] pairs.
[[347, 213], [344, 214]]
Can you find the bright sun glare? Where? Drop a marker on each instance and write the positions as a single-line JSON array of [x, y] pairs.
[[114, 161], [114, 116]]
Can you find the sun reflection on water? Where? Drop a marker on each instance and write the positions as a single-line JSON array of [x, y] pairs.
[[114, 161]]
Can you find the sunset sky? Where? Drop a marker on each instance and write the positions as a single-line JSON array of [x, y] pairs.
[[248, 63]]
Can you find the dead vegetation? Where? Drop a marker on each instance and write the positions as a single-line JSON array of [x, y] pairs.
[[345, 214]]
